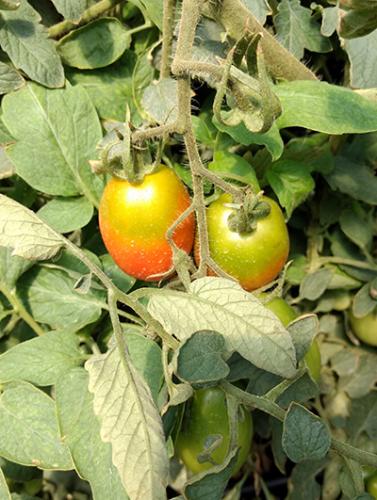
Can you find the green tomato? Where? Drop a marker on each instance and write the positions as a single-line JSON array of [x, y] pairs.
[[371, 485], [205, 419], [286, 314], [253, 259], [365, 328]]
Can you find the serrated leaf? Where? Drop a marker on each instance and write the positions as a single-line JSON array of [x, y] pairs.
[[29, 432], [10, 79], [160, 101], [200, 358], [297, 29], [305, 436], [25, 41], [325, 108], [131, 423], [62, 130], [362, 54], [70, 9], [42, 360], [95, 45], [81, 430], [221, 305], [291, 182], [67, 214], [51, 297], [23, 231]]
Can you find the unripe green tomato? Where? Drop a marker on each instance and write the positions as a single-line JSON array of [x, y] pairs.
[[253, 259], [286, 314], [365, 328], [207, 416], [371, 485]]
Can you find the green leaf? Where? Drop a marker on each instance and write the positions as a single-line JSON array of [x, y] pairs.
[[67, 214], [362, 54], [28, 416], [10, 79], [314, 284], [81, 430], [201, 358], [211, 485], [291, 182], [362, 186], [117, 276], [146, 358], [242, 135], [303, 484], [223, 306], [70, 9], [110, 89], [363, 416], [26, 42], [358, 23], [42, 360], [363, 303], [160, 101], [131, 423], [363, 380], [23, 231], [357, 226], [303, 331], [305, 436], [4, 490], [52, 299], [95, 45], [236, 167], [62, 129], [11, 267], [325, 108], [330, 18], [297, 29], [258, 8], [153, 10]]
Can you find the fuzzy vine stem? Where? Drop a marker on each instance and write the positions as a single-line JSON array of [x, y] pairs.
[[167, 39], [91, 13], [270, 407]]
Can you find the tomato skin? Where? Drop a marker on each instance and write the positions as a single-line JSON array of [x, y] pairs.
[[207, 415], [371, 485], [286, 314], [134, 219], [365, 328], [255, 258]]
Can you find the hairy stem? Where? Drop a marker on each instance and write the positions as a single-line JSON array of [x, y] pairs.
[[60, 29], [167, 37]]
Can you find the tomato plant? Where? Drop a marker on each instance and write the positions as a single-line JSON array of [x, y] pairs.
[[134, 219], [206, 419], [286, 314], [254, 258], [365, 328]]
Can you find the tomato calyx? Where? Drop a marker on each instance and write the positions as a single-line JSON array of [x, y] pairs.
[[245, 217]]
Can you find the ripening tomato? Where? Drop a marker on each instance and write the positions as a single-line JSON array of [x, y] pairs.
[[286, 314], [134, 219], [365, 328], [207, 417], [254, 258]]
